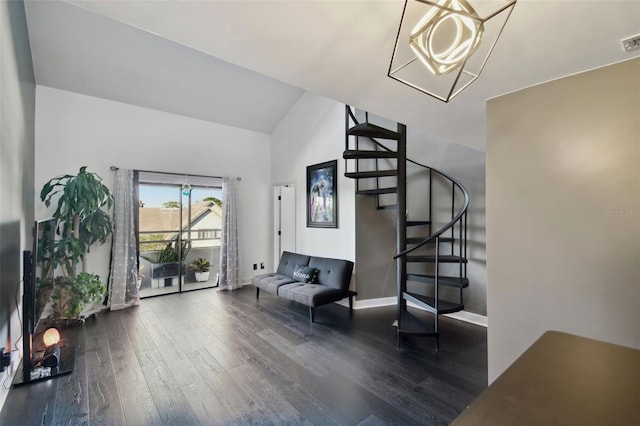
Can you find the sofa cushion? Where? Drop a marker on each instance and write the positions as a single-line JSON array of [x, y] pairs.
[[288, 262], [335, 273], [270, 282], [310, 294], [305, 274]]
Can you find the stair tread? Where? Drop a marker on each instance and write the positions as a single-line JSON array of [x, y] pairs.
[[371, 174], [410, 324], [353, 154], [418, 240], [415, 240], [388, 207], [443, 280], [377, 191], [444, 258], [444, 306], [418, 222], [373, 131]]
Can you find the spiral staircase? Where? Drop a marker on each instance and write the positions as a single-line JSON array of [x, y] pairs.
[[431, 255]]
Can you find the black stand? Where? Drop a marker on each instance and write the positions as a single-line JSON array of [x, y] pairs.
[[66, 366]]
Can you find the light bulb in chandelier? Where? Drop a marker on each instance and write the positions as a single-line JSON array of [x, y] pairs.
[[452, 39], [446, 36]]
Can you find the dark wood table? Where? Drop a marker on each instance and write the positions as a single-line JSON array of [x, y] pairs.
[[563, 379]]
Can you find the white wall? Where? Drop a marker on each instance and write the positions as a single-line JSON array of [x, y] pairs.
[[17, 112], [563, 212], [313, 132], [74, 130]]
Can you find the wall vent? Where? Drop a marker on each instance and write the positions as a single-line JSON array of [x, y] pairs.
[[631, 43]]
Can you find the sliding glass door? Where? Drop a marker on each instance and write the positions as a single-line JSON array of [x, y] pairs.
[[205, 223], [179, 229]]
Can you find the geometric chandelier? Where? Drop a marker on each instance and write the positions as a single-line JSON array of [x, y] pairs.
[[443, 45]]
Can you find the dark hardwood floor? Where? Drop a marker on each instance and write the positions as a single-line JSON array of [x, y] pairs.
[[212, 357]]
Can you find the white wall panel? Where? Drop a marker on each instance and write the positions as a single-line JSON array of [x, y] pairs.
[[75, 130]]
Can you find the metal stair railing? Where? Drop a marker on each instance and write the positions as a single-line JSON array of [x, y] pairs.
[[458, 219]]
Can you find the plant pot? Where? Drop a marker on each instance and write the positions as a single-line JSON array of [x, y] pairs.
[[165, 270], [202, 276]]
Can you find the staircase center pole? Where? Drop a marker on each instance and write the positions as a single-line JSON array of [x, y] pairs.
[[401, 231]]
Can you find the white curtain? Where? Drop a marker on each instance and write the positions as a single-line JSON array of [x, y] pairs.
[[123, 279], [229, 239]]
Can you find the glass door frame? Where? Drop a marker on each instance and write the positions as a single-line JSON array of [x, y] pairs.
[[181, 233]]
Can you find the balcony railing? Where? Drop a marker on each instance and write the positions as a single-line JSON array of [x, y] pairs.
[[205, 243]]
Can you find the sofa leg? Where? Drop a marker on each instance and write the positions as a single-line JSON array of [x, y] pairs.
[[257, 292], [312, 313], [352, 294]]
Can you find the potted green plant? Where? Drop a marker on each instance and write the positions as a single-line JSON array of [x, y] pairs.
[[169, 261], [82, 204], [70, 297], [201, 268]]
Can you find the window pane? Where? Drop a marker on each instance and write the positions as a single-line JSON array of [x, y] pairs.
[[170, 218], [160, 222], [204, 232]]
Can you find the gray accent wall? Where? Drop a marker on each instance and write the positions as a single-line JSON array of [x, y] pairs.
[[17, 115], [563, 212]]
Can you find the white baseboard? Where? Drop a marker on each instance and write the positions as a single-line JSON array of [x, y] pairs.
[[470, 317], [465, 316], [369, 303]]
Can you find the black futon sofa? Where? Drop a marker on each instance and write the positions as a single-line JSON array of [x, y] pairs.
[[310, 280]]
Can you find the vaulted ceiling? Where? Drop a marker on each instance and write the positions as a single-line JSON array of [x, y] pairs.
[[245, 63]]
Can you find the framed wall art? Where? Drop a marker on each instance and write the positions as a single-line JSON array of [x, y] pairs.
[[322, 195]]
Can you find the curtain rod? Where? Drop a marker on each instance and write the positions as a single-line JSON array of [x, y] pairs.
[[114, 168]]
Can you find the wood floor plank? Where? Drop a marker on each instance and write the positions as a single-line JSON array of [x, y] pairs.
[[287, 377], [269, 399], [205, 404], [224, 351], [298, 353], [171, 404], [142, 413], [387, 386], [41, 404], [133, 386], [122, 355], [323, 400], [173, 353], [351, 402], [72, 390], [219, 357], [204, 361], [143, 346], [230, 395], [371, 421], [255, 417], [105, 406]]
